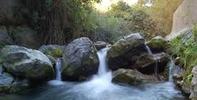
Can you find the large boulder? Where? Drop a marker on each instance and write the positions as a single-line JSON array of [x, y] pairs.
[[147, 63], [193, 95], [158, 44], [125, 51], [26, 63], [80, 59], [128, 76], [25, 36]]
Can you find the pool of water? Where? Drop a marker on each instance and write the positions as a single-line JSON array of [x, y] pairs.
[[90, 91]]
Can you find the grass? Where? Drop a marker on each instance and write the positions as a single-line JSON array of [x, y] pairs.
[[186, 49]]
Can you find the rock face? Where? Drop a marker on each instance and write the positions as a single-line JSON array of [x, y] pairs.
[[26, 63], [184, 17], [52, 50], [100, 45], [193, 95], [80, 59], [25, 36], [147, 63], [128, 76], [125, 51], [157, 44]]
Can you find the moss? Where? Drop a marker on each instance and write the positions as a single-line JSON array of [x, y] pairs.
[[55, 53]]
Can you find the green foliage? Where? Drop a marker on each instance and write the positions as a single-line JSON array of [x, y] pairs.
[[119, 21], [56, 53], [186, 50]]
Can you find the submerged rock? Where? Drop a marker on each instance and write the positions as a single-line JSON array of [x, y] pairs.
[[158, 44], [100, 45], [125, 51], [26, 63], [128, 76], [80, 59]]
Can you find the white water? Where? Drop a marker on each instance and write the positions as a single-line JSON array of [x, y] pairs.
[[58, 79], [100, 87], [155, 58]]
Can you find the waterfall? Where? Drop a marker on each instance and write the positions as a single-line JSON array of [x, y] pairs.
[[102, 61], [58, 78], [58, 69], [170, 73], [156, 60]]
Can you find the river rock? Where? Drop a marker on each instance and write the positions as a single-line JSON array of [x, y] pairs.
[[128, 76], [26, 63], [147, 63], [193, 95], [158, 44], [125, 51], [80, 59], [100, 45], [52, 50]]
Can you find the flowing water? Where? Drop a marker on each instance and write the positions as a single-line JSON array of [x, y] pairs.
[[58, 79], [156, 61], [100, 87]]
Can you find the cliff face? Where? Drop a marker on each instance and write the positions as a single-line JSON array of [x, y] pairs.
[[184, 17]]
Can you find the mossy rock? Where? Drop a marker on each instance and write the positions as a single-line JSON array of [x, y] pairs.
[[52, 50], [158, 44]]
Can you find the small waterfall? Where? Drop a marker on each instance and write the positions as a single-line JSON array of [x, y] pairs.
[[148, 49], [58, 77], [102, 61], [156, 61], [170, 73], [58, 69]]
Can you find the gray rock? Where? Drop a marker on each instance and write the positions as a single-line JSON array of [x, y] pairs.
[[100, 45], [193, 95], [6, 81], [124, 52], [80, 59], [147, 63], [128, 76], [26, 63]]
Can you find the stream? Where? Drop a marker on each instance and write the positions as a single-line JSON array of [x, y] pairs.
[[99, 87]]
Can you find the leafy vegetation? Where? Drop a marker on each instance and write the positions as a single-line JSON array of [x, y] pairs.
[[185, 47]]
